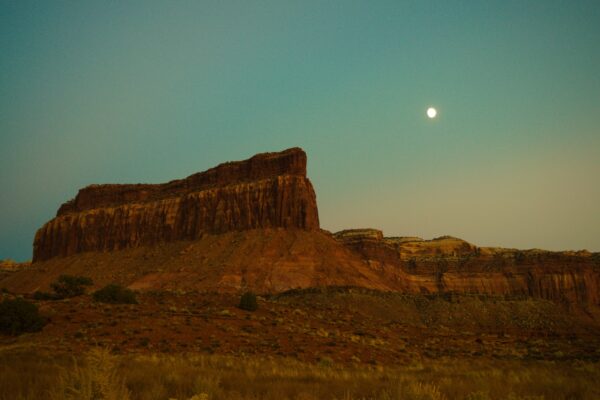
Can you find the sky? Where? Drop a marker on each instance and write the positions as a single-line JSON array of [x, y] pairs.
[[150, 91]]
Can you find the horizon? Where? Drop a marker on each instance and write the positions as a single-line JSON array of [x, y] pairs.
[[152, 92]]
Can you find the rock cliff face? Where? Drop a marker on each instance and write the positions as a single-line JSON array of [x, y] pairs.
[[254, 224], [448, 264], [269, 190]]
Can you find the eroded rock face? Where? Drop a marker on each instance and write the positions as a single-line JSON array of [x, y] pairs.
[[269, 190], [254, 224], [449, 264]]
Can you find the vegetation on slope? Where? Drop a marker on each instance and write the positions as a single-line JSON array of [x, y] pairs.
[[333, 343], [18, 316], [115, 294]]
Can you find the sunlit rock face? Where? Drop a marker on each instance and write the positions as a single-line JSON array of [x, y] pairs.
[[269, 190], [452, 265], [254, 224]]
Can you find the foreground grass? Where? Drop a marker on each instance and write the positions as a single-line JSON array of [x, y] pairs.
[[31, 374]]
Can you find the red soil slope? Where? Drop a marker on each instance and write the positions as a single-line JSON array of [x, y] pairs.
[[264, 260]]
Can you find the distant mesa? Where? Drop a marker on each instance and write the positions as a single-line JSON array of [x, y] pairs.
[[351, 235], [11, 265]]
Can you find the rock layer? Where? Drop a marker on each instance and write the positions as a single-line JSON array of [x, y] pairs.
[[449, 264], [269, 190]]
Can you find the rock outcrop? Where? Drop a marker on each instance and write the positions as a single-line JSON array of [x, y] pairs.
[[269, 190], [449, 264], [254, 224]]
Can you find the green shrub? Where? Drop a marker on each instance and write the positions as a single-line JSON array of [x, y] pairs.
[[18, 316], [248, 302], [37, 295], [115, 294], [70, 286]]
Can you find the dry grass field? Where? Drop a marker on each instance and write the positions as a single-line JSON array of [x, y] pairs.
[[30, 373]]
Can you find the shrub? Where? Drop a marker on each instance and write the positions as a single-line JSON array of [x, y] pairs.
[[248, 302], [70, 286], [115, 294], [18, 316], [37, 295]]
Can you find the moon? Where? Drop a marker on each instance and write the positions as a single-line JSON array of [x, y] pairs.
[[431, 112]]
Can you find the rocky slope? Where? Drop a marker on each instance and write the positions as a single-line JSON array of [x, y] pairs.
[[266, 191], [448, 264], [263, 260]]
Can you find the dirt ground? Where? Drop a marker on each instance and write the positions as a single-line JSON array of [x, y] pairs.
[[341, 325]]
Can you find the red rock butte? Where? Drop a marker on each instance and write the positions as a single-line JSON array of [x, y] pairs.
[[269, 190], [254, 224]]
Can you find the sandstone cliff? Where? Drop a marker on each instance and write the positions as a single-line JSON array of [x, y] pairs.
[[254, 224], [449, 264], [269, 190]]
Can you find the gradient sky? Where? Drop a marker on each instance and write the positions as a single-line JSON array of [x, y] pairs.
[[149, 91]]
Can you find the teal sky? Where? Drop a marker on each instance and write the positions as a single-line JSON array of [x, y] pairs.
[[149, 91]]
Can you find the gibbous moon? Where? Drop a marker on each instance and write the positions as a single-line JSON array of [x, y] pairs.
[[431, 112]]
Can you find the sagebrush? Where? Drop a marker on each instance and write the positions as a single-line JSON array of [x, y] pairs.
[[115, 294], [18, 316]]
